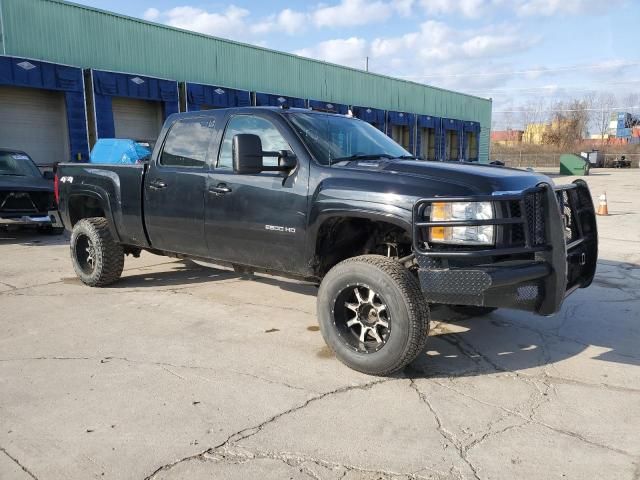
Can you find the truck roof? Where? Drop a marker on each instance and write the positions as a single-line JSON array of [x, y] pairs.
[[279, 110]]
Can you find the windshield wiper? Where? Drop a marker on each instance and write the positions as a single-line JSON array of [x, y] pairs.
[[407, 157], [363, 156], [13, 174]]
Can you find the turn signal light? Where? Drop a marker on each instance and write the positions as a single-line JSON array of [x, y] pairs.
[[56, 191]]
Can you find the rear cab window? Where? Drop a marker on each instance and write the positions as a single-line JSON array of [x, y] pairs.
[[187, 143]]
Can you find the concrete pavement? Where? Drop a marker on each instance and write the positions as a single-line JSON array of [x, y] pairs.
[[181, 371]]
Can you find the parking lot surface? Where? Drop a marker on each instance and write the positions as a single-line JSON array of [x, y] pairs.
[[183, 371]]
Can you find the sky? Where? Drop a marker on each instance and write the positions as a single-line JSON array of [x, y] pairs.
[[524, 54]]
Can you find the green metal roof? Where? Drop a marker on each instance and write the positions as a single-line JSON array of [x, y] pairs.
[[63, 32]]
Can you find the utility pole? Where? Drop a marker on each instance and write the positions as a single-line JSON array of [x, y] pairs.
[[366, 64]]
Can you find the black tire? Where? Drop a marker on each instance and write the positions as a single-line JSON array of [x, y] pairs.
[[400, 304], [97, 259], [472, 310]]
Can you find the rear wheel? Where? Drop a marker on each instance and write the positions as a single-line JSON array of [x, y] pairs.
[[97, 259], [372, 314]]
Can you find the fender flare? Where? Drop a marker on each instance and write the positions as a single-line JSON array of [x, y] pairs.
[[374, 215], [103, 199]]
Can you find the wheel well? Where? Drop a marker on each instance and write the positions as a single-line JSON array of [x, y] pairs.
[[340, 238], [84, 206]]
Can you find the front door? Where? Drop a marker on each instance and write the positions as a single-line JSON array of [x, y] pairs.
[[257, 220], [175, 188]]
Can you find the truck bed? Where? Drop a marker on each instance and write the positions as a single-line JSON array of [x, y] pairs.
[[120, 187]]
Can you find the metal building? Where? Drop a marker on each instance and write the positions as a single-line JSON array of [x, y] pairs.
[[102, 43]]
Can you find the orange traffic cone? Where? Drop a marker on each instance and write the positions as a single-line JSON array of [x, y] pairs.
[[602, 205]]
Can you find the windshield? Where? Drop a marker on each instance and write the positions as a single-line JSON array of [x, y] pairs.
[[333, 139], [17, 164]]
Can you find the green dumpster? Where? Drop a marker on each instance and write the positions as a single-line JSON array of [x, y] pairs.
[[571, 164]]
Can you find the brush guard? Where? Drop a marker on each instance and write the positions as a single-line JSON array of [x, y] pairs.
[[546, 247]]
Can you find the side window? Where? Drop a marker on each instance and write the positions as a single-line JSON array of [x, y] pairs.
[[271, 139], [187, 144]]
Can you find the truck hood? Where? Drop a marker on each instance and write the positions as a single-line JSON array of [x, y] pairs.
[[477, 178], [24, 183]]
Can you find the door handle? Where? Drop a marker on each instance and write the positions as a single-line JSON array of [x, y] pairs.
[[219, 189], [157, 184]]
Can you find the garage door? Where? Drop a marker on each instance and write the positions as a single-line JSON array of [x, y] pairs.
[[35, 121], [137, 119]]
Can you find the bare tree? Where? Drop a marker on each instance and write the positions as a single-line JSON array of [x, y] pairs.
[[569, 124], [603, 104]]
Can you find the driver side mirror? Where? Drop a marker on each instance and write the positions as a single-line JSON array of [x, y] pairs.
[[247, 156], [48, 175]]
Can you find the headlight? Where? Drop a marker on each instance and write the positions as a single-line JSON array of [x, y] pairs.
[[461, 211]]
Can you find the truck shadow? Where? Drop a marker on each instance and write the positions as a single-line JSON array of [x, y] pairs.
[[189, 273], [600, 322], [31, 237]]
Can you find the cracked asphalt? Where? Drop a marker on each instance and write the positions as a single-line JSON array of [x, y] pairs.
[[185, 372]]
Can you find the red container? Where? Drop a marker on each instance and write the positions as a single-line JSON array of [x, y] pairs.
[[635, 132]]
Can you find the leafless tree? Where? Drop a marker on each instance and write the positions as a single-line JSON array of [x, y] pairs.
[[603, 104], [569, 123]]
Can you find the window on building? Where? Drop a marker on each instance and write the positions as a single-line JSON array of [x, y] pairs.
[[187, 144], [272, 140]]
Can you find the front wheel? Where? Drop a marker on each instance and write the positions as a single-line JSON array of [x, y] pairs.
[[372, 314], [97, 259]]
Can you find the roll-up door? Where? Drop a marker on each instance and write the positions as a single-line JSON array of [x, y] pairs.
[[137, 119], [34, 121]]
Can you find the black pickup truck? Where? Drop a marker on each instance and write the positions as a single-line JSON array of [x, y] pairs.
[[332, 200]]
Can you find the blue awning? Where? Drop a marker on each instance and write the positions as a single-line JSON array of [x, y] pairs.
[[21, 72], [215, 97], [107, 85], [374, 116], [329, 107], [272, 100]]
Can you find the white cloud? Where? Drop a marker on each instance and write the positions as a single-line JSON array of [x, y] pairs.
[[287, 21], [151, 14], [352, 12], [403, 7], [554, 7], [467, 8], [348, 51], [230, 23]]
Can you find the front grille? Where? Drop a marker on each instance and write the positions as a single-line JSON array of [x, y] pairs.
[[534, 206], [565, 198], [25, 203]]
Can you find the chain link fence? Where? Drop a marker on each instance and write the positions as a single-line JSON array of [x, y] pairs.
[[552, 160]]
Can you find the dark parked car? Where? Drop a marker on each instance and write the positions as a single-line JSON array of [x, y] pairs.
[[621, 162], [332, 200], [26, 195]]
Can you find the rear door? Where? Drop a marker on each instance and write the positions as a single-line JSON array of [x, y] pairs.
[[175, 188], [258, 220]]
